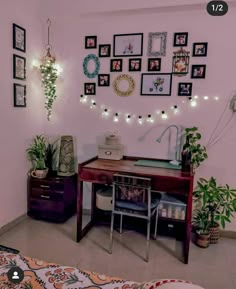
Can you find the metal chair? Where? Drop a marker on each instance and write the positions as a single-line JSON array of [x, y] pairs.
[[132, 197]]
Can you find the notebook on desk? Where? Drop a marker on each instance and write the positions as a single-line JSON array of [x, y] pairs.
[[157, 164]]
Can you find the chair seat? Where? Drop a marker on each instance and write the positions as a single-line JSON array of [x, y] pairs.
[[142, 207]]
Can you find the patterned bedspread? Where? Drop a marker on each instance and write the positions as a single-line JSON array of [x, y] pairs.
[[43, 275]]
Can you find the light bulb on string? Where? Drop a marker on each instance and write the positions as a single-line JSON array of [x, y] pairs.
[[163, 115], [105, 112], [140, 119], [93, 104], [116, 117], [128, 118], [205, 97], [175, 109], [216, 98], [149, 118], [83, 98], [196, 96]]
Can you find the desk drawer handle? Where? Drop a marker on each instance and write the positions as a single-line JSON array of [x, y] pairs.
[[45, 197], [43, 186], [108, 153]]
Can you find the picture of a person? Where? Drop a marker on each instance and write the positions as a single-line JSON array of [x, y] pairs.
[[90, 42], [104, 50], [134, 65], [180, 65], [20, 68], [154, 65], [185, 89], [198, 72], [180, 39], [104, 80], [20, 95], [200, 49], [116, 65], [89, 89], [19, 39]]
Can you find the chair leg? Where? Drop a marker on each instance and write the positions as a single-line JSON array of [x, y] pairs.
[[148, 240], [111, 232], [155, 233], [121, 223]]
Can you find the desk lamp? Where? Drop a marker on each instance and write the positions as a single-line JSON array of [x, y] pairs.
[[173, 162]]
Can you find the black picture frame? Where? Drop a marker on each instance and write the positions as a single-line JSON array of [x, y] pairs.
[[90, 88], [128, 45], [19, 37], [200, 49], [91, 42], [103, 79], [104, 50], [154, 64], [19, 91], [116, 65], [19, 67], [185, 88], [198, 71], [148, 86], [135, 64], [180, 39]]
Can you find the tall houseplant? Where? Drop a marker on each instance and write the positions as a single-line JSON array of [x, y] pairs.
[[198, 151], [219, 201], [37, 153]]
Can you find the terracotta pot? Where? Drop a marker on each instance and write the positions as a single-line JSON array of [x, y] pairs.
[[214, 233], [40, 174], [202, 240]]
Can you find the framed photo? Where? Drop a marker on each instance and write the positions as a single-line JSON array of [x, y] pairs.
[[156, 84], [116, 65], [103, 79], [185, 89], [154, 64], [157, 44], [19, 95], [19, 64], [104, 50], [19, 38], [200, 49], [181, 39], [90, 42], [90, 88], [128, 45], [198, 71], [135, 64], [180, 64]]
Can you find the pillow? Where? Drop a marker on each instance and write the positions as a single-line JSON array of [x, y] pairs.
[[168, 284]]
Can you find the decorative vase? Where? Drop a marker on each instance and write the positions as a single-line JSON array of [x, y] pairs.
[[66, 166], [202, 240], [214, 233]]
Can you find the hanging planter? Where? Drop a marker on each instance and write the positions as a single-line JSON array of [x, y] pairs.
[[50, 72]]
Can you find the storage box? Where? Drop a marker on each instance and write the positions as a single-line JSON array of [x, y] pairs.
[[104, 199], [110, 152], [172, 208]]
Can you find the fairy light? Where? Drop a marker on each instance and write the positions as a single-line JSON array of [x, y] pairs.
[[196, 96], [163, 115], [216, 98], [128, 118], [140, 119], [205, 97], [93, 104], [105, 112], [116, 117], [149, 118], [175, 108], [83, 98]]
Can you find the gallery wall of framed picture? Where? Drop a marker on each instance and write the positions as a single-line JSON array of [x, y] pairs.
[[19, 65], [138, 59]]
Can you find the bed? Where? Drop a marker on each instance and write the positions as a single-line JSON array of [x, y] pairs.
[[43, 275]]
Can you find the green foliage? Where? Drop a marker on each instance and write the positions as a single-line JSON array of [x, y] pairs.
[[201, 220], [37, 152], [198, 151], [49, 76], [218, 201]]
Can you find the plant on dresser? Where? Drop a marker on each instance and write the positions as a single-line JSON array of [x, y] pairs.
[[37, 153]]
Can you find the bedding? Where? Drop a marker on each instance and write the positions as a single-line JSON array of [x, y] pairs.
[[43, 275]]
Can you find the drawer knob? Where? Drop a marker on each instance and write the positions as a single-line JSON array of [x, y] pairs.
[[108, 153], [45, 197], [44, 186]]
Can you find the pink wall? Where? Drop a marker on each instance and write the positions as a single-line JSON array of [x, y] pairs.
[[70, 27], [17, 124]]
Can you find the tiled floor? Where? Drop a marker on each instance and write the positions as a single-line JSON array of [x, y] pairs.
[[212, 268]]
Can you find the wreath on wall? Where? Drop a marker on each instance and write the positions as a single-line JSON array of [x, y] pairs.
[[117, 82], [96, 61]]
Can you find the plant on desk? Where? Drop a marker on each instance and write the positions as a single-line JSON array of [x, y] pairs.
[[219, 202], [37, 153]]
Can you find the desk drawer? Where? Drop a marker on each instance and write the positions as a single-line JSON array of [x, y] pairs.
[[103, 177], [47, 185], [47, 194], [47, 206]]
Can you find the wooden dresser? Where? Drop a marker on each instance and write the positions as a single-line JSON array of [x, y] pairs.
[[52, 198]]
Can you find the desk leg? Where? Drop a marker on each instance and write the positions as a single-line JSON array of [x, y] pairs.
[[188, 228], [79, 210]]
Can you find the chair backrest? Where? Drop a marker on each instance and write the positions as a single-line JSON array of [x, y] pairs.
[[131, 189]]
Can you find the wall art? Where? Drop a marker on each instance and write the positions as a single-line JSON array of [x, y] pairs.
[[19, 64], [198, 71], [90, 88], [120, 85], [154, 64], [104, 50], [128, 44], [185, 89], [200, 49], [19, 38], [156, 84], [19, 95], [116, 65], [90, 42], [180, 39], [135, 64], [103, 79], [157, 43], [92, 60], [180, 64]]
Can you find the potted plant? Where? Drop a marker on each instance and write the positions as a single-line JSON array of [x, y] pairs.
[[220, 201], [201, 222], [37, 153], [197, 151]]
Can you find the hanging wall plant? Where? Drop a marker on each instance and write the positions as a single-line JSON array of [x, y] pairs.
[[50, 72]]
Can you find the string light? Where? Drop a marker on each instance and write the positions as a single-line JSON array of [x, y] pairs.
[[83, 98], [105, 112], [150, 119], [128, 118], [116, 117], [205, 97], [140, 119], [93, 104], [216, 98], [163, 115], [175, 107], [196, 96]]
